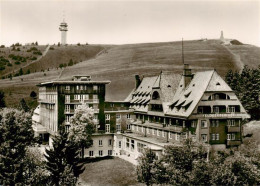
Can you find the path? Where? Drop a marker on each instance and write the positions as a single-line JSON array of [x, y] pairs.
[[236, 59]]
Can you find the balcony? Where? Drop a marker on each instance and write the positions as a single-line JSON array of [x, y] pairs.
[[116, 108], [233, 142], [233, 129]]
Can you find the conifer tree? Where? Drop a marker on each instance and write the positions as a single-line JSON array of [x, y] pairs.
[[2, 100], [16, 134], [23, 106]]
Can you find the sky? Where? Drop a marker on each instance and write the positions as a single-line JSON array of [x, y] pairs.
[[123, 22]]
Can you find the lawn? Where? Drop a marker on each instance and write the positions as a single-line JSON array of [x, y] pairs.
[[109, 172]]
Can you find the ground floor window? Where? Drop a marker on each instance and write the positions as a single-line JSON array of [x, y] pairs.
[[140, 147], [204, 137], [91, 153], [170, 135], [109, 152], [214, 137], [231, 136], [100, 152]]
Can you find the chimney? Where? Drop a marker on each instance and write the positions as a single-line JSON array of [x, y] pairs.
[[137, 81], [187, 76]]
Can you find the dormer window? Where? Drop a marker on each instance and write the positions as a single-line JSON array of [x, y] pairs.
[[169, 86], [187, 95], [217, 83], [155, 95]]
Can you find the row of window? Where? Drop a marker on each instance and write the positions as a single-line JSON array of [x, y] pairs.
[[67, 107], [159, 133], [81, 87], [81, 97], [118, 128], [218, 109], [215, 123], [100, 153], [118, 116], [215, 137]]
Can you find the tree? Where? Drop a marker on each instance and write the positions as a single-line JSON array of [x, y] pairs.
[[28, 71], [82, 126], [246, 86], [36, 43], [62, 160], [23, 106], [16, 134], [2, 99], [33, 94], [35, 172], [146, 168], [70, 62], [20, 72], [61, 65]]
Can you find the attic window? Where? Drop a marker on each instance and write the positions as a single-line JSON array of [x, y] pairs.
[[218, 83], [141, 87], [187, 95], [148, 86], [180, 85], [169, 86], [193, 85]]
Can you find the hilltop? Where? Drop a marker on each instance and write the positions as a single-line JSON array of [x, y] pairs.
[[119, 63]]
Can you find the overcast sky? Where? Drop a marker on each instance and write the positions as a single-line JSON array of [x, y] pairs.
[[120, 22]]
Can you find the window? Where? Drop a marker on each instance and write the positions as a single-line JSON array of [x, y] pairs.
[[127, 143], [67, 108], [177, 137], [132, 145], [107, 128], [155, 95], [217, 136], [100, 152], [119, 144], [233, 136], [193, 124], [109, 152], [163, 134], [158, 132], [204, 137], [142, 129], [140, 147], [231, 123], [95, 87], [217, 123], [137, 128], [228, 136], [76, 97], [91, 153], [81, 87], [231, 109], [112, 105], [203, 124], [95, 96], [153, 131], [128, 116], [109, 142], [147, 130], [213, 137], [77, 87], [67, 128], [118, 116], [107, 116], [128, 127], [67, 98], [216, 110], [170, 135], [95, 116], [100, 142], [86, 97], [118, 127], [75, 107], [67, 87], [67, 119], [133, 127]]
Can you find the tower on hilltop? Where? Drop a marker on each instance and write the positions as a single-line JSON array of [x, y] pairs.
[[222, 37], [63, 28]]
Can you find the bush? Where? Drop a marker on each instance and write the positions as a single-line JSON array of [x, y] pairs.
[[33, 94], [17, 63]]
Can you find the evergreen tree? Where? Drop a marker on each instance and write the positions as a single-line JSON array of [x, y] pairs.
[[70, 62], [2, 99], [16, 134], [20, 72], [23, 106], [33, 94], [146, 168]]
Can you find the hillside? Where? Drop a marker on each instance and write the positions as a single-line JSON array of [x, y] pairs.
[[119, 63]]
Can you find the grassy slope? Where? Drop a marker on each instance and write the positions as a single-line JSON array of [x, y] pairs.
[[109, 172], [120, 63], [253, 128], [23, 52]]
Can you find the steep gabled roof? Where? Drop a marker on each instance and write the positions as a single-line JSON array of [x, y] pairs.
[[186, 99]]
